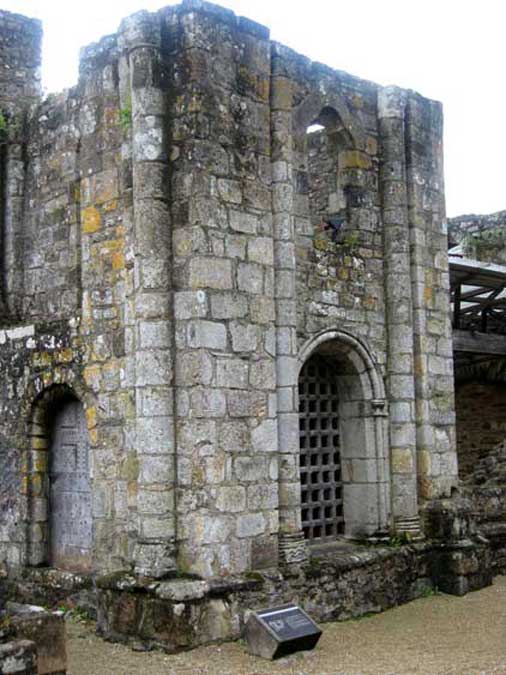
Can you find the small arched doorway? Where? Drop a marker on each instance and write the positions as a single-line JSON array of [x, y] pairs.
[[344, 468], [70, 520], [60, 532]]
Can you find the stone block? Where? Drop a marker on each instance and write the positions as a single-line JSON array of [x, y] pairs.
[[182, 590], [243, 222], [206, 334], [190, 304], [250, 278], [262, 310], [154, 367], [156, 469], [154, 334], [155, 435], [208, 403], [228, 306], [244, 337], [250, 469], [262, 497], [247, 404], [250, 525], [18, 657], [231, 499], [263, 374], [46, 630], [210, 273], [260, 250], [264, 550], [264, 436], [232, 373], [230, 190], [193, 368]]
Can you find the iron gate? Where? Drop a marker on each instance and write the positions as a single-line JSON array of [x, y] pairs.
[[320, 457]]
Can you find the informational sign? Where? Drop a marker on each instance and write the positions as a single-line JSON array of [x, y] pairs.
[[279, 631]]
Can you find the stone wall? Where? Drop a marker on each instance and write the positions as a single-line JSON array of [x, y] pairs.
[[481, 421], [20, 60], [176, 246], [482, 237], [182, 613]]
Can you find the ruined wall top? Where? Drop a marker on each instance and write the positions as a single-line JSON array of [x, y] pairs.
[[20, 59], [483, 237]]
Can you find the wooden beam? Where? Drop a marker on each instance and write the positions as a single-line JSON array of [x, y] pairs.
[[456, 307], [479, 343]]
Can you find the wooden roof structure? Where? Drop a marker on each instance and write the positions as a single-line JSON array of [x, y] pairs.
[[478, 303]]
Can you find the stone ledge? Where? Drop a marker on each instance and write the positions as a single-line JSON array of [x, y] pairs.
[[47, 586], [179, 614]]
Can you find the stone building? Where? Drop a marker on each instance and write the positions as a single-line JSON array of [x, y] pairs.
[[225, 334], [480, 373]]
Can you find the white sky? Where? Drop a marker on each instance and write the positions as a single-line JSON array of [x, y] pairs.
[[450, 50]]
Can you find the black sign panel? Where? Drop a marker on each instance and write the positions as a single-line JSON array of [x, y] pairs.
[[281, 630], [288, 622]]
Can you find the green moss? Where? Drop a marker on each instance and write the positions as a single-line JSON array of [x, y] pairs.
[[125, 118], [4, 127], [399, 539], [254, 576]]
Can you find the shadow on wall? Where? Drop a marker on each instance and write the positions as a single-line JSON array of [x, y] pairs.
[[481, 421]]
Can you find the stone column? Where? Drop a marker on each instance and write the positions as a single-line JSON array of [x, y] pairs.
[[291, 538], [13, 183], [154, 554], [399, 310], [434, 384], [20, 58]]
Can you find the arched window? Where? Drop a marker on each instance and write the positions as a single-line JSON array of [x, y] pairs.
[[321, 173]]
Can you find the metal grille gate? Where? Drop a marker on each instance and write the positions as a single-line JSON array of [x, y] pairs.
[[320, 459]]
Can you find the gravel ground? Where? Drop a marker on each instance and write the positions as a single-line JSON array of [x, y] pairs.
[[437, 635]]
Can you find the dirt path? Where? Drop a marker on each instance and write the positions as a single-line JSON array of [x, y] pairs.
[[437, 635]]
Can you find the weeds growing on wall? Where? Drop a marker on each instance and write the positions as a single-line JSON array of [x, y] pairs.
[[3, 127], [125, 118]]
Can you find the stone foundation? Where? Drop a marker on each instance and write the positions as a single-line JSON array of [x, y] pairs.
[[341, 582]]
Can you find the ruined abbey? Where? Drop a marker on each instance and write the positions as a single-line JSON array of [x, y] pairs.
[[226, 327]]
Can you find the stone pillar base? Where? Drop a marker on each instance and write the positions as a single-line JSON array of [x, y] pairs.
[[408, 526], [461, 560], [292, 549]]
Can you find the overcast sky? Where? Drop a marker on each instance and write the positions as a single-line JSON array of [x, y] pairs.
[[450, 51]]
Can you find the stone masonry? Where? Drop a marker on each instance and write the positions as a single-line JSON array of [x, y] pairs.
[[203, 214]]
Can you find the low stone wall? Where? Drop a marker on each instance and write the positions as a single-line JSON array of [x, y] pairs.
[[32, 641], [50, 587], [335, 585]]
